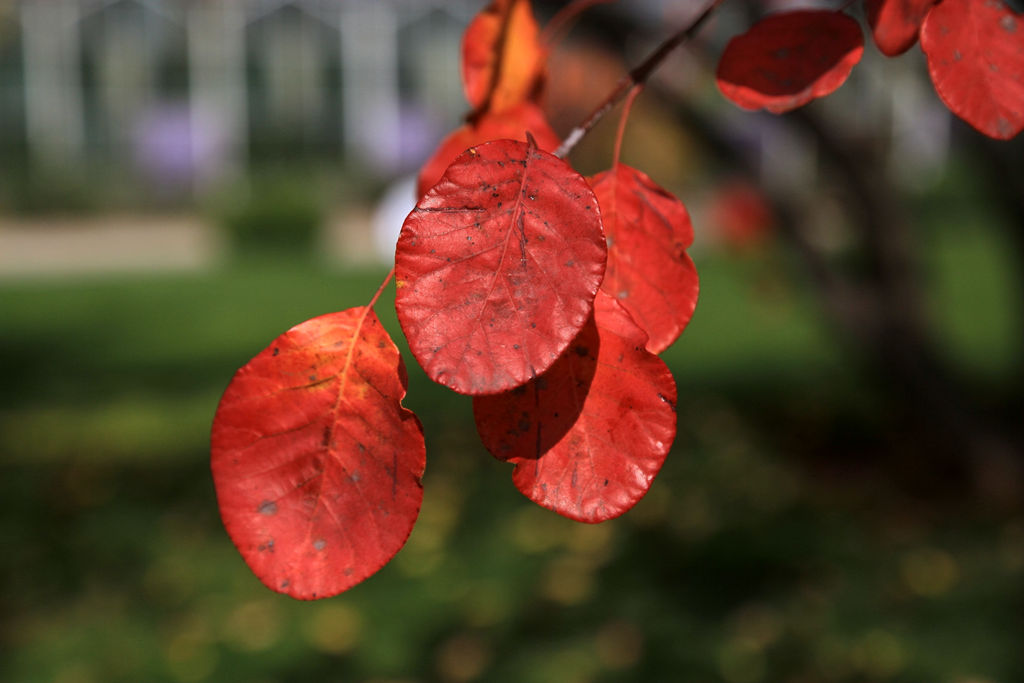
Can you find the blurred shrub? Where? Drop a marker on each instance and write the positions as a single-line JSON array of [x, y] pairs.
[[49, 193], [273, 215]]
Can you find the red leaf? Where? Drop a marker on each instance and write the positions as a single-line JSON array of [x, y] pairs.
[[975, 53], [502, 57], [497, 267], [588, 436], [511, 124], [786, 60], [648, 270], [316, 463], [896, 23]]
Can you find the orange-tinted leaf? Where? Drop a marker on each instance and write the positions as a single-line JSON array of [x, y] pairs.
[[648, 271], [497, 266], [511, 124], [588, 436], [316, 463], [786, 60], [896, 23], [502, 57], [975, 51]]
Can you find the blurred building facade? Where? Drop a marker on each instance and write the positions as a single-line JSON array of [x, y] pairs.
[[193, 90]]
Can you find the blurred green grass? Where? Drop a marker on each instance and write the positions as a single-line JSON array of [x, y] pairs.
[[743, 564]]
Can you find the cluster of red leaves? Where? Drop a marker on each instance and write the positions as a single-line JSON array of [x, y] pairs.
[[974, 48], [543, 294]]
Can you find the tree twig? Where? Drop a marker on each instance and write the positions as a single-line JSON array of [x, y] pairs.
[[637, 76]]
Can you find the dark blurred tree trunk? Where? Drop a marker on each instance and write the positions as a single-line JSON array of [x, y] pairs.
[[877, 306]]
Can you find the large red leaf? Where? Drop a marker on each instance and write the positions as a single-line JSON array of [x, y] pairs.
[[896, 23], [649, 271], [588, 436], [497, 266], [510, 124], [316, 463], [502, 56], [975, 53], [786, 60]]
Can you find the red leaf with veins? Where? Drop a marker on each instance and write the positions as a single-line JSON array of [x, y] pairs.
[[896, 23], [511, 124], [786, 60], [316, 463], [975, 51], [588, 436], [497, 267], [648, 270], [502, 57]]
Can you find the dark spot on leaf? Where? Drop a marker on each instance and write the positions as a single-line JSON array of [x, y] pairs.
[[285, 583], [267, 507], [605, 482], [325, 440], [581, 350], [319, 544], [276, 351], [515, 346]]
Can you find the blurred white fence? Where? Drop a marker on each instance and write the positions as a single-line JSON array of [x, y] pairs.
[[192, 88]]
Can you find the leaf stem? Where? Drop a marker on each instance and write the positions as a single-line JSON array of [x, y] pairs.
[[380, 290], [623, 119], [638, 76]]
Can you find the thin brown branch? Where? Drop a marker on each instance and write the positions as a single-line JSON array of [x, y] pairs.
[[637, 76]]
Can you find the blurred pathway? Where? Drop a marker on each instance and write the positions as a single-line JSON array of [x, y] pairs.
[[105, 244]]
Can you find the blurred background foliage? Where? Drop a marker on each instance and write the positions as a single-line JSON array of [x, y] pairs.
[[817, 520]]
